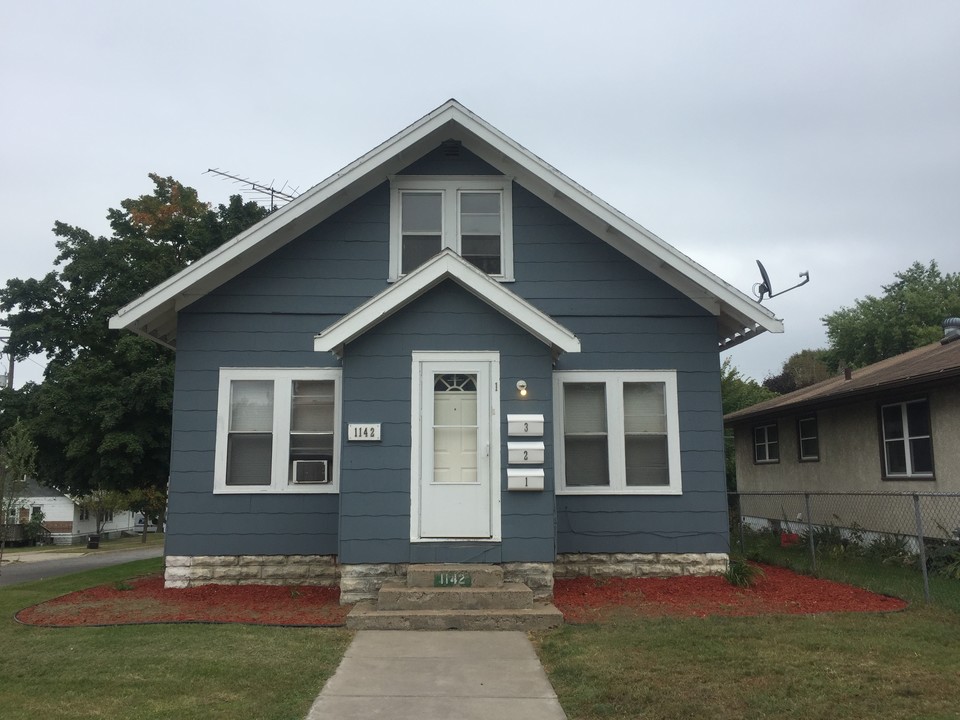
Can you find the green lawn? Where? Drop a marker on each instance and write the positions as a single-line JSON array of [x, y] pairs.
[[901, 665], [121, 543], [156, 671]]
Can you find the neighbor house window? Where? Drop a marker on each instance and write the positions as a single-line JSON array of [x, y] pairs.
[[84, 513], [617, 432], [471, 216], [907, 445], [277, 430], [808, 439], [766, 444]]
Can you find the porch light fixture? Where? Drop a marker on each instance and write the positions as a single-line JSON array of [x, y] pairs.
[[522, 387]]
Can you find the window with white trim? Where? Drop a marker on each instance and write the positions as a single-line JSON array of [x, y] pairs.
[[766, 444], [470, 215], [808, 440], [907, 444], [278, 430], [617, 432]]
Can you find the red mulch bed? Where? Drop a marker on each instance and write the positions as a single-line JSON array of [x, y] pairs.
[[778, 591], [582, 600], [145, 600]]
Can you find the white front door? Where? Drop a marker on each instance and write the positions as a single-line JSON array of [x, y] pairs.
[[456, 446]]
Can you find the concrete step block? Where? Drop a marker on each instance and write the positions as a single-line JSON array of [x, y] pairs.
[[366, 616], [398, 596]]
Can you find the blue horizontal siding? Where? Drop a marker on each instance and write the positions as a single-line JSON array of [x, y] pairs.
[[626, 318]]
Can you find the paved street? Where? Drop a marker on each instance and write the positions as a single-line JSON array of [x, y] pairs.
[[40, 566]]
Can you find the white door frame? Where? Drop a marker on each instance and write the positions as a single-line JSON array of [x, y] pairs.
[[492, 360]]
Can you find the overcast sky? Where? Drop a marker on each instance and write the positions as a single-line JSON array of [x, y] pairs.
[[818, 136]]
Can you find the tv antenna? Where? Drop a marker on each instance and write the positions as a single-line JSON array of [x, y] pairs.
[[764, 286], [269, 190]]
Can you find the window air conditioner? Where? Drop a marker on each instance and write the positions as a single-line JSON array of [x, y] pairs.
[[316, 472]]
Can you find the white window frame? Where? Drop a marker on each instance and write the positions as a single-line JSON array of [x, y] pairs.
[[283, 379], [766, 444], [616, 445], [801, 437], [450, 188], [905, 440]]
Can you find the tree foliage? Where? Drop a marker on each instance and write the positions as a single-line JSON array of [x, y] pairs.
[[17, 455], [101, 417], [800, 370], [908, 315], [737, 393]]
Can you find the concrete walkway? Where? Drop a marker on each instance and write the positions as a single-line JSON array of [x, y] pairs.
[[426, 675]]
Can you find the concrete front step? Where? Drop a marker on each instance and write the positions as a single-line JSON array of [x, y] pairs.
[[509, 596], [454, 575], [365, 616]]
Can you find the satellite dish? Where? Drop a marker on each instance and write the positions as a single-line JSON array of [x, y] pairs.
[[764, 287]]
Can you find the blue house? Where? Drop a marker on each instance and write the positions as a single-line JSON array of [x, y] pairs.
[[446, 352]]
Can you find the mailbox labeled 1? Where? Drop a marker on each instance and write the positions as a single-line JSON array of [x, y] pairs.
[[525, 479]]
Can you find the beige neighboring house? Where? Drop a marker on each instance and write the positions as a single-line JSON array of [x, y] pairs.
[[893, 426]]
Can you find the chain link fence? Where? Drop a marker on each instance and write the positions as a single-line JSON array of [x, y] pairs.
[[916, 530]]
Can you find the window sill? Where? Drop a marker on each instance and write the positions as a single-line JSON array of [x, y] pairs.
[[619, 492], [909, 478], [297, 490]]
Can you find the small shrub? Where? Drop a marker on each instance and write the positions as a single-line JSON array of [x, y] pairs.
[[122, 585], [890, 549], [740, 573], [943, 557]]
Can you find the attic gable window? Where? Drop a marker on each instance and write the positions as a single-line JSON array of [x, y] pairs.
[[470, 215]]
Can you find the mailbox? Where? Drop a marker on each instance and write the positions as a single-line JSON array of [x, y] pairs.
[[525, 453], [524, 479], [525, 425]]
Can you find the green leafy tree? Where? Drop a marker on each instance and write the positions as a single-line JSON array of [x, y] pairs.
[[800, 370], [101, 417], [17, 454], [737, 392], [908, 315], [102, 504], [152, 504]]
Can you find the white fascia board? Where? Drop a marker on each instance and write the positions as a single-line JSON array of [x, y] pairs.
[[619, 226], [282, 226], [446, 265], [392, 155]]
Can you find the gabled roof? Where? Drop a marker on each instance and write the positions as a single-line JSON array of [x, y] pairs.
[[155, 313], [934, 363], [445, 266]]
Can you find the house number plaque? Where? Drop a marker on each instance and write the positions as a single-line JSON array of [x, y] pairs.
[[363, 431], [452, 579]]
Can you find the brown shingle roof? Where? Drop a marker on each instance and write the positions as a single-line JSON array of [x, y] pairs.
[[932, 362]]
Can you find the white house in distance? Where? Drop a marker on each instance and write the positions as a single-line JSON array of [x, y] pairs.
[[64, 518]]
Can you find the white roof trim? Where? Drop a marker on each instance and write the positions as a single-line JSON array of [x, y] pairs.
[[154, 313], [445, 266]]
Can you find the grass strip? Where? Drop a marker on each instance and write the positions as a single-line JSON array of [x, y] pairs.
[[898, 665], [159, 671]]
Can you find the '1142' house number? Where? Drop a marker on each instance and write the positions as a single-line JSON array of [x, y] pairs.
[[363, 431]]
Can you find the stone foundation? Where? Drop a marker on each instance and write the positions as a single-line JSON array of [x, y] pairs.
[[600, 565], [184, 571], [362, 582], [536, 576]]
